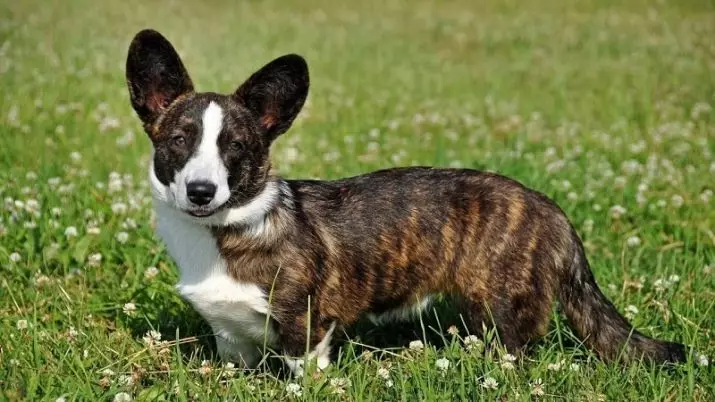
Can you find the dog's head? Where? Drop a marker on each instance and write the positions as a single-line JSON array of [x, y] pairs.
[[210, 150]]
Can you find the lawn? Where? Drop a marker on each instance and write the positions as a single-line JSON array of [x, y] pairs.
[[605, 106]]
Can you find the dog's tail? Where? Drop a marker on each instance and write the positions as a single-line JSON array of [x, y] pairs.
[[601, 327]]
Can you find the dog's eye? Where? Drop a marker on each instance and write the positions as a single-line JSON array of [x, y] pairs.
[[178, 140], [236, 146]]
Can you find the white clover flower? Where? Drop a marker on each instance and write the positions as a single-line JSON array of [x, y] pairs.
[[122, 237], [125, 139], [416, 345], [633, 241], [119, 208], [60, 399], [56, 211], [129, 223], [290, 154], [705, 196], [70, 231], [93, 230], [339, 384], [294, 390], [473, 342], [537, 388], [75, 156], [588, 225], [674, 279], [619, 182], [126, 380], [442, 364], [32, 205], [383, 373], [631, 311], [205, 368], [555, 166], [630, 167], [72, 333], [21, 325], [151, 272], [114, 186], [129, 308], [108, 372], [617, 211], [677, 201], [122, 397], [660, 285], [151, 337], [15, 257], [575, 367], [641, 199], [555, 366], [452, 330], [507, 361], [701, 360], [490, 383], [94, 260], [700, 109]]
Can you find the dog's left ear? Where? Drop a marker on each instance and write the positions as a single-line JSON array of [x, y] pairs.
[[276, 93], [155, 76]]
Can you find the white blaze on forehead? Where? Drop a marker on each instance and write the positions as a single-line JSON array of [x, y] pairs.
[[205, 164], [213, 123]]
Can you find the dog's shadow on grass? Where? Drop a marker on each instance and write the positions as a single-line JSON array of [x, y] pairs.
[[431, 327]]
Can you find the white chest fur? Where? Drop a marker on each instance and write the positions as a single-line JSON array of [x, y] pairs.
[[236, 311]]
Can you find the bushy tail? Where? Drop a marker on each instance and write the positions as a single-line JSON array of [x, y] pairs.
[[597, 322]]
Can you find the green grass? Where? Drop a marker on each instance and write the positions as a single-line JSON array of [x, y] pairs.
[[595, 103]]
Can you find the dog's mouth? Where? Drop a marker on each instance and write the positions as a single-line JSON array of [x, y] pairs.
[[201, 213]]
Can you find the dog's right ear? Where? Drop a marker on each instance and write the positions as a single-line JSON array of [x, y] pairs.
[[155, 76]]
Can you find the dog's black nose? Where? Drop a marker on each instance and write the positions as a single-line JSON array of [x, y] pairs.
[[200, 192]]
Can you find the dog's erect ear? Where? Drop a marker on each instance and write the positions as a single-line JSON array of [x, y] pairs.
[[155, 75], [276, 93]]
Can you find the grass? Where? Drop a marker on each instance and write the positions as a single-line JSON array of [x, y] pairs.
[[601, 105]]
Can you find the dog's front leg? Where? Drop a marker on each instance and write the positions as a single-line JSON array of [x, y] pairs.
[[293, 340], [240, 351]]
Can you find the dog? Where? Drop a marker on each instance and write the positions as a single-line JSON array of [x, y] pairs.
[[284, 263]]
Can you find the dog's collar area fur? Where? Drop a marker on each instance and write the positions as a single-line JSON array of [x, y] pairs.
[[274, 195]]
